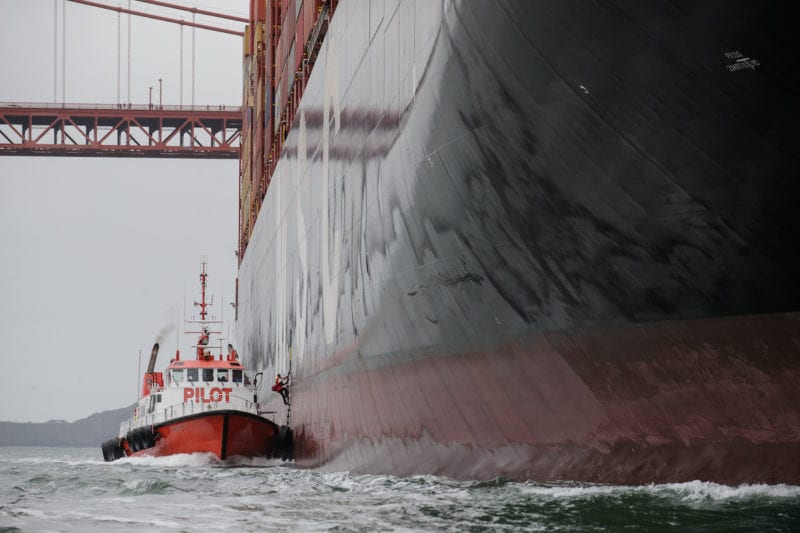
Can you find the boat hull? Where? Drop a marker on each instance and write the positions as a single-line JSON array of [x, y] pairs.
[[539, 240], [221, 433]]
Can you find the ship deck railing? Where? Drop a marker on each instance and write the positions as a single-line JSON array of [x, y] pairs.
[[160, 416]]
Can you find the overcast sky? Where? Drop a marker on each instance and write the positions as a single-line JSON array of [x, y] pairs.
[[98, 254]]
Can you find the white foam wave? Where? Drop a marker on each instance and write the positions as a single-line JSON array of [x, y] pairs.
[[239, 460], [197, 460], [704, 490], [170, 461], [691, 491], [571, 491], [50, 460], [139, 521], [139, 486]]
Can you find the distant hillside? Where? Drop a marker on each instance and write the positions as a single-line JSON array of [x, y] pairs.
[[90, 431]]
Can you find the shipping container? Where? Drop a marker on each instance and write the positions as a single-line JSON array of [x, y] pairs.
[[276, 70]]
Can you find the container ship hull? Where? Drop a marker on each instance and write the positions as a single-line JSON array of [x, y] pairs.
[[537, 240]]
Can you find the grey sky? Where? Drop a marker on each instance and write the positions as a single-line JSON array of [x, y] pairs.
[[96, 255]]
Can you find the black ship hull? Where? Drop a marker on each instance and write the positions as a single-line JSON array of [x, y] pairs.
[[540, 240]]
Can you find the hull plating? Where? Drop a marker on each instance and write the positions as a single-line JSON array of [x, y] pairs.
[[543, 240], [224, 434]]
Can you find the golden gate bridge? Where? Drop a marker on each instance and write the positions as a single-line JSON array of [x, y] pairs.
[[125, 129]]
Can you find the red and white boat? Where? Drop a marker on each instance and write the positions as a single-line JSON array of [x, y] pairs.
[[207, 404]]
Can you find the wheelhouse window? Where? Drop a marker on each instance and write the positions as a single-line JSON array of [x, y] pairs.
[[192, 374], [222, 374], [237, 376], [208, 374], [176, 375]]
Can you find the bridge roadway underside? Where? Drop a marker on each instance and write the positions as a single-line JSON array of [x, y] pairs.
[[203, 132]]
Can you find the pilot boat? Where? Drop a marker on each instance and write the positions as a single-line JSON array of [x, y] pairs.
[[208, 404]]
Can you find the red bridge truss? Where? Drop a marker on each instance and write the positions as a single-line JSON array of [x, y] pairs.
[[124, 130]]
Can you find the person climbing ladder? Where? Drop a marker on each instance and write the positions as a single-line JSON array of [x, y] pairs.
[[281, 386]]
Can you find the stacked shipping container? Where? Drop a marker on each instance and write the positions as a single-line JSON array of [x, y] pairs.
[[276, 69]]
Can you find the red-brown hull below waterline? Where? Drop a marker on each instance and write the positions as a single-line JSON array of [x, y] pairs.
[[713, 399], [224, 434]]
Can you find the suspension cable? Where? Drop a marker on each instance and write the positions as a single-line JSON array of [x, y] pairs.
[[158, 17], [195, 10]]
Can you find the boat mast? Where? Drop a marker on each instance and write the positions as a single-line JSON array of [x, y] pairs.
[[203, 352], [202, 303]]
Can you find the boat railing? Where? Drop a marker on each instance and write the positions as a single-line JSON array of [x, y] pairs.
[[159, 416]]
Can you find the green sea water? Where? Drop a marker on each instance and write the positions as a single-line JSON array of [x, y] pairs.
[[72, 489]]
